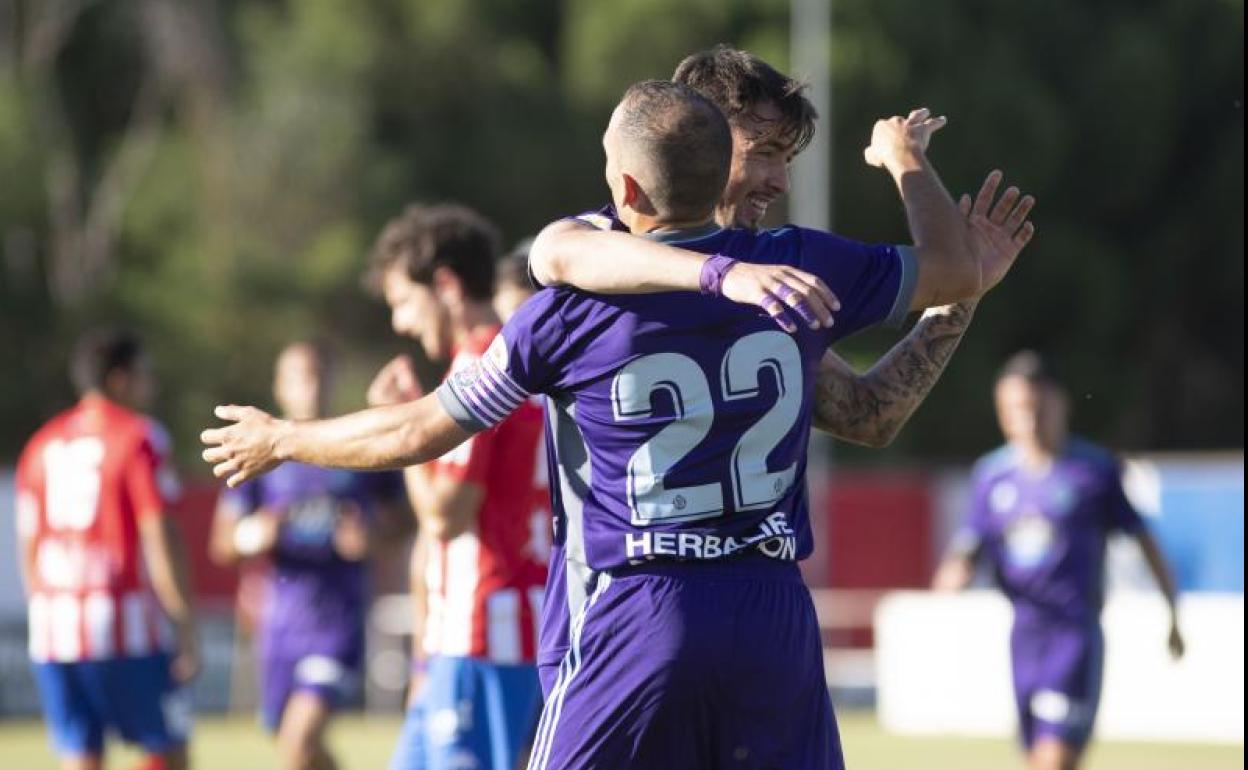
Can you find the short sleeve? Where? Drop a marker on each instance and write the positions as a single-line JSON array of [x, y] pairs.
[[976, 529], [240, 501], [528, 356], [874, 282], [28, 506], [1122, 515], [142, 483]]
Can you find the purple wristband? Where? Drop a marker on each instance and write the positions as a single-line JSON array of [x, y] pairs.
[[716, 266]]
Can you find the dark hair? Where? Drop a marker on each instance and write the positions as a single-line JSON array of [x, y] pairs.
[[686, 142], [738, 82], [513, 268], [424, 238], [1032, 367], [100, 352]]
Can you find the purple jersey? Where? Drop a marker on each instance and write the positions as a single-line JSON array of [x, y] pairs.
[[1045, 533], [316, 598], [677, 423]]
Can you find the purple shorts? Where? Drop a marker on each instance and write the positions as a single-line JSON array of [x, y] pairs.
[[331, 671], [1057, 680], [691, 666]]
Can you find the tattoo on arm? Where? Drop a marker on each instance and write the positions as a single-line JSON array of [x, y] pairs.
[[871, 408]]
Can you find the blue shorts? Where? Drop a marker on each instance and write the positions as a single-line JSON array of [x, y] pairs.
[[136, 697], [675, 666], [471, 715], [1057, 681]]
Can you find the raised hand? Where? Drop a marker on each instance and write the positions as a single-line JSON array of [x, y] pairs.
[[998, 233], [246, 449], [395, 383], [780, 289], [896, 140]]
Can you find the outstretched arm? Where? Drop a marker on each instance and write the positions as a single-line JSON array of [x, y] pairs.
[[871, 408], [380, 438], [573, 253]]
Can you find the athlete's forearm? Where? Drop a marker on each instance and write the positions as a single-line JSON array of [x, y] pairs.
[[871, 408], [607, 262], [381, 438], [1161, 570], [948, 269], [166, 567]]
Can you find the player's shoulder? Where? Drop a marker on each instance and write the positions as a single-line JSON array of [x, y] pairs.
[[998, 463], [1089, 453]]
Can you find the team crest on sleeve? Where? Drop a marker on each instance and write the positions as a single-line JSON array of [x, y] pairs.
[[497, 352], [468, 376]]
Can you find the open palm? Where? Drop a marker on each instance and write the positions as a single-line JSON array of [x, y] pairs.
[[998, 233]]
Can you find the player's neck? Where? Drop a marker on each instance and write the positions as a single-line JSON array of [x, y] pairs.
[[98, 399], [641, 224], [1036, 457], [471, 318]]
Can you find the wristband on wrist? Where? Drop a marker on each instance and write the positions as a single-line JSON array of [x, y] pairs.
[[711, 280]]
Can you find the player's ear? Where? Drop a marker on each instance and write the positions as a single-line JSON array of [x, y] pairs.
[[446, 283], [632, 191]]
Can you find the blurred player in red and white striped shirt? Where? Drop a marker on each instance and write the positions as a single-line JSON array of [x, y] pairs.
[[111, 631], [483, 509]]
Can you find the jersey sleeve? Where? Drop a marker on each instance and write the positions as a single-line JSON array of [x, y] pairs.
[[971, 537], [28, 487], [240, 501], [1122, 515], [141, 481], [875, 283], [528, 356]]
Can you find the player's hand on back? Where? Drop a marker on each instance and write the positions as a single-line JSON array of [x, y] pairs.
[[395, 383], [998, 232], [782, 290], [245, 449], [897, 141]]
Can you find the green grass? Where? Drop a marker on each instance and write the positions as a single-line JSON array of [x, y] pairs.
[[365, 744]]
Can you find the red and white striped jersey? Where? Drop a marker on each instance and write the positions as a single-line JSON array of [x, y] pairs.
[[484, 587], [84, 482]]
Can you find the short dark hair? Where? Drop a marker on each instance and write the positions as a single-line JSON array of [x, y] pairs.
[[513, 268], [100, 352], [686, 142], [1032, 367], [426, 237], [738, 82]]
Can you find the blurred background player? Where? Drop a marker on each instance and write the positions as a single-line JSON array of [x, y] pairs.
[[480, 563], [512, 284], [100, 561], [1043, 507], [313, 524]]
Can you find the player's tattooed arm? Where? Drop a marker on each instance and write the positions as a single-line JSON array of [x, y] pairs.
[[381, 438], [573, 253], [871, 408]]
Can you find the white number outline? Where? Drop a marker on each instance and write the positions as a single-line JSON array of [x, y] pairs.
[[680, 376]]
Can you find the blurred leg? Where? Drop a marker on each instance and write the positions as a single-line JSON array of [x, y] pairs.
[[301, 738]]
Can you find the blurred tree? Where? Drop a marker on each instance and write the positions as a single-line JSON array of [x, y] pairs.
[[213, 172]]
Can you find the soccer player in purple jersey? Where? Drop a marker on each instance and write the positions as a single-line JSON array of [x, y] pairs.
[[772, 121], [677, 431], [1042, 508], [311, 522]]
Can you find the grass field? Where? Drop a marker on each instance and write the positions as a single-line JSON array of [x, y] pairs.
[[365, 744]]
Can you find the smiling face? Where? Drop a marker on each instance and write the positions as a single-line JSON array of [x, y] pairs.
[[759, 174], [415, 312]]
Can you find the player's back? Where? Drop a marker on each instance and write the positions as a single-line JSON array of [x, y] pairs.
[[85, 481], [678, 423]]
